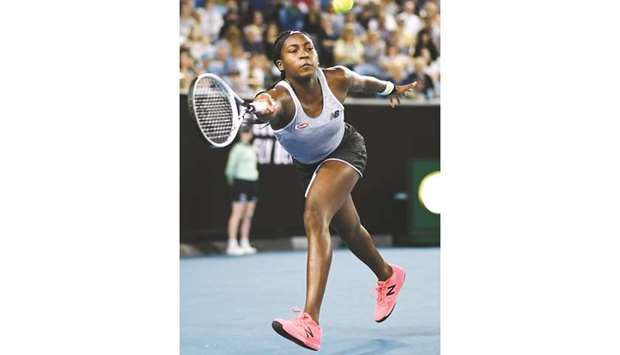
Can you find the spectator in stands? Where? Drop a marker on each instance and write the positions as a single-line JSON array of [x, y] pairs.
[[367, 13], [271, 34], [211, 20], [432, 67], [289, 17], [218, 64], [199, 44], [242, 176], [238, 63], [231, 17], [188, 72], [402, 39], [431, 17], [425, 82], [412, 23], [384, 23], [188, 19], [259, 21], [390, 7], [396, 65], [232, 36], [424, 41], [312, 21], [358, 30], [327, 40], [374, 47], [348, 50], [337, 20], [253, 42], [258, 73]]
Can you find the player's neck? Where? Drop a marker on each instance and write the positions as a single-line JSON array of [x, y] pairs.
[[306, 87]]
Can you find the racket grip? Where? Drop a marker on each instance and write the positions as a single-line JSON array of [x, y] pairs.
[[259, 106]]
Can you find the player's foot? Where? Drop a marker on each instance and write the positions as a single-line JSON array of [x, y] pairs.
[[234, 249], [247, 248], [387, 291], [302, 330]]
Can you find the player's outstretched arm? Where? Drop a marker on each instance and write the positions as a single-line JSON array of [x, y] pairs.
[[274, 103], [371, 85]]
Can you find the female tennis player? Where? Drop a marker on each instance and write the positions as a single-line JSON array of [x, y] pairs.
[[306, 112]]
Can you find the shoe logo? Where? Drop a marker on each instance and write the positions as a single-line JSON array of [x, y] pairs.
[[309, 333], [391, 290], [302, 125]]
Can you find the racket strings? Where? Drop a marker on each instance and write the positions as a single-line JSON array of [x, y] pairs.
[[213, 110]]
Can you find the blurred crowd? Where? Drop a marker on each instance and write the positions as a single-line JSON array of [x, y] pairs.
[[389, 39]]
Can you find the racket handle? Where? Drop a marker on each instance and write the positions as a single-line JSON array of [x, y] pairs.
[[258, 107]]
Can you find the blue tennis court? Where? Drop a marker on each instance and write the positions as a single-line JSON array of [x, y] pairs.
[[228, 303]]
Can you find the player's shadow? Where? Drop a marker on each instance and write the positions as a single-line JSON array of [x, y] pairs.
[[373, 347]]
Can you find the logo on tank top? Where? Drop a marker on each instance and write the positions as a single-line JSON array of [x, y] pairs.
[[302, 125], [335, 115]]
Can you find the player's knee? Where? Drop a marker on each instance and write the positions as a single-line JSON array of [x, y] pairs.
[[314, 219]]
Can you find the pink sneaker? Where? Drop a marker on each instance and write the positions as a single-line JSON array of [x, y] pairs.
[[387, 291], [302, 330]]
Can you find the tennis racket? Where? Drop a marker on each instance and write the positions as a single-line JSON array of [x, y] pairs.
[[218, 110]]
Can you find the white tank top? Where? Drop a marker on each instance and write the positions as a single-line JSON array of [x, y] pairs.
[[311, 139]]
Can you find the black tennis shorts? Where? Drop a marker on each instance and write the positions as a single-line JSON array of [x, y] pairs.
[[351, 151], [244, 190]]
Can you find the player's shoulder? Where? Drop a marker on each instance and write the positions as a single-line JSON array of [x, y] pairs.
[[336, 72], [338, 77]]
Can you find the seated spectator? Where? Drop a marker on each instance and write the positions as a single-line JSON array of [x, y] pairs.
[[431, 17], [412, 23], [198, 44], [425, 84], [402, 39], [337, 20], [258, 72], [390, 6], [188, 19], [358, 30], [211, 20], [271, 34], [374, 47], [424, 41], [232, 36], [432, 67], [259, 22], [383, 22], [289, 17], [312, 21], [253, 42], [218, 64], [326, 41], [231, 17], [348, 50], [396, 65], [187, 70], [238, 62]]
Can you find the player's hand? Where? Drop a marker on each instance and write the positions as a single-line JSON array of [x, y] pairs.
[[399, 90], [267, 104]]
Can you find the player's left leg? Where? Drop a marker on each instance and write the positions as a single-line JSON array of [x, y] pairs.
[[347, 223]]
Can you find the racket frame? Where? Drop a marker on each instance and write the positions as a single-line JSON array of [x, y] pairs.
[[233, 99]]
